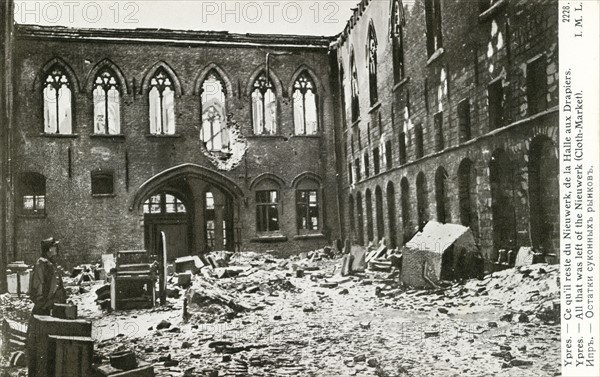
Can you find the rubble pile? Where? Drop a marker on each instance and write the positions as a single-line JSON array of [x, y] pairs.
[[253, 314]]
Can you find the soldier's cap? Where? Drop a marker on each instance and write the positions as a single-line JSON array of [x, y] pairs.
[[48, 243]]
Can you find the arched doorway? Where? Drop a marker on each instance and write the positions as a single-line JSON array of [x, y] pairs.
[[197, 209], [379, 213], [467, 195], [360, 230], [167, 212], [422, 202], [441, 195], [391, 205], [405, 208], [369, 205]]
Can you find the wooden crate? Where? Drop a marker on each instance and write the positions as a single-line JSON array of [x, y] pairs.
[[72, 356]]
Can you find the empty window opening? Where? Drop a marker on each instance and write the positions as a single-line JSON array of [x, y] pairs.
[[354, 104], [57, 102], [32, 188], [102, 182], [388, 155], [367, 173], [357, 169], [438, 122], [464, 120], [372, 58], [264, 106], [162, 104], [267, 211], [210, 220], [433, 24], [397, 40], [441, 195], [369, 205], [422, 200], [402, 147], [305, 105], [419, 152], [376, 161], [467, 195], [307, 210], [107, 115], [495, 105], [214, 131], [164, 203], [405, 208], [537, 86]]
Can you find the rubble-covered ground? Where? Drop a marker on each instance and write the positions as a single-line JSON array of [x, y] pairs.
[[267, 321]]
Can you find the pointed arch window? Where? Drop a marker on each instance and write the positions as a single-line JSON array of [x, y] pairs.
[[305, 105], [58, 117], [214, 134], [398, 23], [162, 104], [354, 104], [107, 94], [264, 106], [372, 58], [164, 203]]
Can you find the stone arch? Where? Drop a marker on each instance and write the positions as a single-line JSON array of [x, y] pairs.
[[311, 73], [40, 77], [306, 175], [172, 74], [160, 180], [544, 210], [89, 82], [201, 76], [277, 179], [441, 195], [279, 93]]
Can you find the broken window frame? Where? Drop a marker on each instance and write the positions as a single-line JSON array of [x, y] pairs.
[[304, 206], [262, 87], [105, 83], [219, 108], [161, 201], [57, 85], [397, 36], [495, 93], [267, 208], [463, 111], [165, 88], [372, 64], [536, 86], [433, 25], [102, 183], [32, 188], [304, 86], [354, 104], [210, 220]]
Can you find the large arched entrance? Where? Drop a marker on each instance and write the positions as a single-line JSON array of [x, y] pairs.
[[196, 208]]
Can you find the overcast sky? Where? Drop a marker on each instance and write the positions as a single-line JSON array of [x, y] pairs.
[[308, 17]]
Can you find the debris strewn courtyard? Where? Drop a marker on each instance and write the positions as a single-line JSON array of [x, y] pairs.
[[266, 316]]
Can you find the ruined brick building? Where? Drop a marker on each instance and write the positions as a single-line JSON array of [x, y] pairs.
[[437, 110]]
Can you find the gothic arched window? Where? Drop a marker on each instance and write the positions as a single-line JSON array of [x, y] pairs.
[[305, 105], [57, 102], [107, 116], [264, 106], [162, 104], [214, 132]]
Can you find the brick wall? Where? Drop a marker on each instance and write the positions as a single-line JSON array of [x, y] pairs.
[[478, 48], [89, 226]]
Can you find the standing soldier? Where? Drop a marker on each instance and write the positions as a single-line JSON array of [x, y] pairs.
[[46, 286]]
